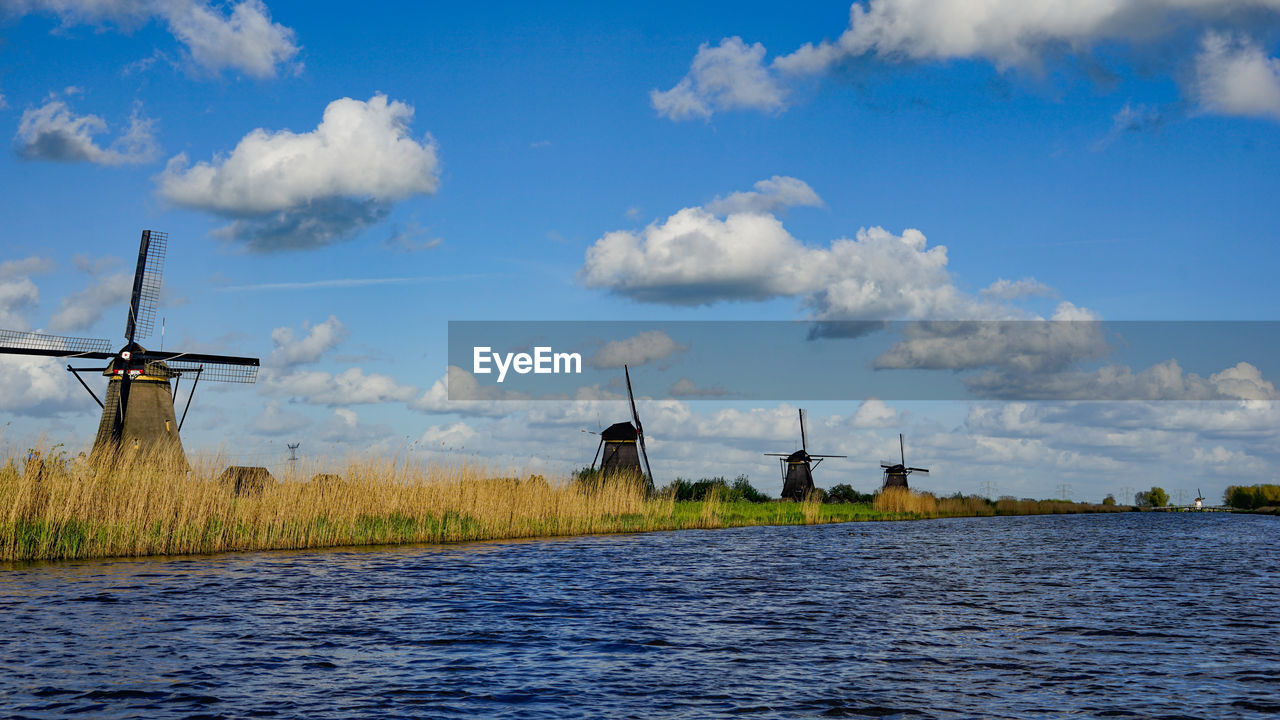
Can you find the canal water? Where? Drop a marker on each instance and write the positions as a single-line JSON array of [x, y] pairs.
[[1147, 615]]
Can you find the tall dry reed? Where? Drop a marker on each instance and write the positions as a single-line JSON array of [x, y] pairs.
[[57, 508]]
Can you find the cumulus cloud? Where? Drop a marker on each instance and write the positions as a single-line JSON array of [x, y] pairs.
[[242, 37], [275, 421], [38, 386], [1164, 381], [53, 132], [1023, 346], [288, 190], [646, 347], [349, 387], [777, 193], [459, 392], [697, 257], [1235, 77], [873, 413], [454, 436], [728, 76], [686, 388], [18, 293], [344, 427], [694, 258], [1003, 289], [1006, 33], [82, 310], [320, 338]]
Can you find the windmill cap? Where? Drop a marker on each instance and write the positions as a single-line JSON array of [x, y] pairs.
[[620, 431]]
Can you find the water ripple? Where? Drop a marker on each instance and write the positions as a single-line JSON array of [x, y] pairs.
[[1134, 615]]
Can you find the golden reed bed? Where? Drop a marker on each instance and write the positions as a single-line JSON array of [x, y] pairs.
[[63, 509]]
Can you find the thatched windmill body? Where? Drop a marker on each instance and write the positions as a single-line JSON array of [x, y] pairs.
[[621, 447], [797, 467], [895, 474], [138, 412]]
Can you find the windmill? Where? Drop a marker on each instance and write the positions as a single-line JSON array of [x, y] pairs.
[[797, 468], [1199, 501], [623, 444], [138, 412], [895, 475]]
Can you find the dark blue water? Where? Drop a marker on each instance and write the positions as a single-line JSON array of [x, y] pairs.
[[1129, 615]]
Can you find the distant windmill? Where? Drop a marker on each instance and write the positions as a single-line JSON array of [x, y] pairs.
[[139, 408], [1199, 502], [623, 444], [895, 475], [797, 468]]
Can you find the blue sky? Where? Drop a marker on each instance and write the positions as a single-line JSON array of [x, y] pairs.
[[593, 162]]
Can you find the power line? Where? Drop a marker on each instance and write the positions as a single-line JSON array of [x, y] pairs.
[[293, 455], [989, 490], [1064, 490]]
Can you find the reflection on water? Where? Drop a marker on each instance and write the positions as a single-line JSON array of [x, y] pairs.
[[1131, 615]]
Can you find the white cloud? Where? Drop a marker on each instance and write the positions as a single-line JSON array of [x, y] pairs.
[[646, 347], [685, 388], [38, 386], [1235, 77], [82, 310], [290, 190], [1003, 289], [53, 132], [18, 293], [1007, 33], [695, 257], [320, 338], [873, 413], [470, 398], [244, 38], [728, 76], [275, 421], [777, 193], [1021, 346], [349, 387], [454, 436], [344, 427], [1164, 381]]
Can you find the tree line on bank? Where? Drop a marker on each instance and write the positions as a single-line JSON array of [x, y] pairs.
[[1252, 497]]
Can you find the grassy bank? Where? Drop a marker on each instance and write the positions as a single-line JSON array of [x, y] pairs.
[[63, 509]]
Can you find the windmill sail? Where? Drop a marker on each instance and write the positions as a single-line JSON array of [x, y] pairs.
[[895, 474], [17, 342], [797, 467], [146, 285], [635, 417]]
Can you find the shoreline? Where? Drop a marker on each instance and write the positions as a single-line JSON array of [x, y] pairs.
[[24, 543], [145, 505]]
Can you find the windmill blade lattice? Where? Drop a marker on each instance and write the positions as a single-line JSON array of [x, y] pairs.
[[18, 342], [146, 285], [217, 371], [635, 417]]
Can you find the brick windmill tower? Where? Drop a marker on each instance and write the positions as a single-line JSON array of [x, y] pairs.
[[797, 468]]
